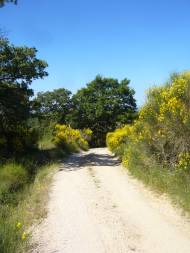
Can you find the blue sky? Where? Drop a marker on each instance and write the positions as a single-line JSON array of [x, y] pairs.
[[142, 40]]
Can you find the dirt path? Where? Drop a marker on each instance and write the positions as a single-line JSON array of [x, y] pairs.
[[95, 207]]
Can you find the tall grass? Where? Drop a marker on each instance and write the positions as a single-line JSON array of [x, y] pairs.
[[159, 177], [46, 138], [23, 192], [21, 209], [24, 185]]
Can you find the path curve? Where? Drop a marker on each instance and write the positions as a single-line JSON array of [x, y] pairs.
[[96, 207]]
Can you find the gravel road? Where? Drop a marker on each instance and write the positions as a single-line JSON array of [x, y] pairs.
[[96, 207]]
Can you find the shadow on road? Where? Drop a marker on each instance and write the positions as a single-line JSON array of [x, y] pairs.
[[78, 161]]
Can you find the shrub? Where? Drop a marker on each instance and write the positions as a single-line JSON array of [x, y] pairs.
[[71, 139], [18, 141], [163, 126], [87, 134], [116, 141], [165, 119], [156, 148]]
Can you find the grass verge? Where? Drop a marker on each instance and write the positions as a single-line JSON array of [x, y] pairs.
[[162, 179], [23, 195]]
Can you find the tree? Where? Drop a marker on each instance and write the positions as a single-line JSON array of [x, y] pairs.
[[102, 106], [19, 66], [3, 2], [53, 105]]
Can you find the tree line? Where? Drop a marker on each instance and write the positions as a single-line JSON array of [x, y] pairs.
[[103, 105]]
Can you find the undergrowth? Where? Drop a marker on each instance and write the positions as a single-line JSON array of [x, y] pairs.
[[23, 193], [160, 178], [24, 182]]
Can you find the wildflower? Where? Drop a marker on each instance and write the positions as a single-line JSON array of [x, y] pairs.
[[184, 161], [24, 236], [19, 225]]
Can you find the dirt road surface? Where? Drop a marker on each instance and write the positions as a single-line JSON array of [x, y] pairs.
[[96, 207]]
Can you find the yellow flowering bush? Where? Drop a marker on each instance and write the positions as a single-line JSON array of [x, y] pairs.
[[87, 134], [184, 161], [71, 139], [163, 125], [115, 139], [165, 118], [156, 150]]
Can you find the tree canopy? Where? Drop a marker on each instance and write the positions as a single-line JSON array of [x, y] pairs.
[[3, 2], [19, 66], [103, 105], [53, 105]]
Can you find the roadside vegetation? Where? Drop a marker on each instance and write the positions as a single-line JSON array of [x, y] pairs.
[[156, 147], [103, 105], [71, 139], [31, 146], [37, 132]]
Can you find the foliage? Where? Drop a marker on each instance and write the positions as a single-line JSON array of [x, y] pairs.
[[184, 162], [102, 106], [87, 133], [163, 125], [19, 66], [3, 2], [52, 105], [12, 177], [156, 148], [71, 139], [164, 120], [23, 206], [118, 139], [46, 137], [18, 140], [24, 184]]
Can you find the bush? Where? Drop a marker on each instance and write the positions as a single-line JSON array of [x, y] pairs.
[[116, 141], [164, 121], [163, 127], [156, 148], [18, 141], [71, 139]]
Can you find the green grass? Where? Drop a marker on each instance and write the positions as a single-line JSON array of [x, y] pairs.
[[25, 206], [24, 184], [12, 177], [162, 179], [46, 140]]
